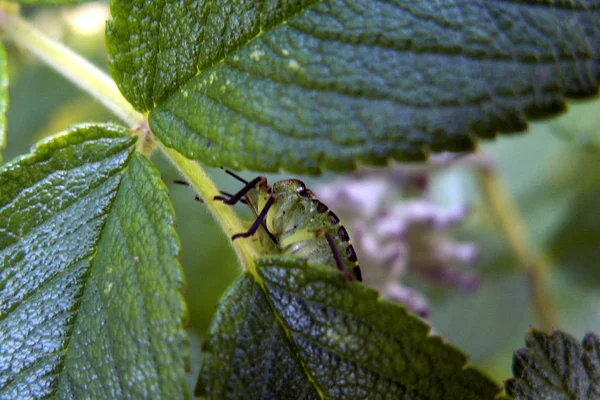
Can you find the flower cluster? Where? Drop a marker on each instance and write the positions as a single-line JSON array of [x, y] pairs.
[[396, 227]]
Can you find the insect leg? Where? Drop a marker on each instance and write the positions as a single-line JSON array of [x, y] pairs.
[[197, 198], [258, 221], [336, 254], [230, 195], [240, 195]]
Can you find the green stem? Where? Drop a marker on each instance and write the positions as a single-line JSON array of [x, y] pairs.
[[247, 249], [75, 68], [509, 218], [92, 80]]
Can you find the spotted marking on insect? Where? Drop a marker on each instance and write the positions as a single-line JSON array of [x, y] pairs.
[[295, 222]]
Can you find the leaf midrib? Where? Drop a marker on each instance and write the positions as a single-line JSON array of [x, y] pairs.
[[210, 63], [550, 59], [257, 280], [332, 351]]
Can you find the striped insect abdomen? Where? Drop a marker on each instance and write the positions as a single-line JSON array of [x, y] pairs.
[[304, 226]]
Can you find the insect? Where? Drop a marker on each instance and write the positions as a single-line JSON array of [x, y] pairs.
[[295, 222]]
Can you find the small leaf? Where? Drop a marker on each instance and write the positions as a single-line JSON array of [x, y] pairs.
[[309, 85], [89, 284], [3, 97], [556, 367], [302, 331]]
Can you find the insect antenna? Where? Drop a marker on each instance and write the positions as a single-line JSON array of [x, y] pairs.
[[184, 183], [233, 174], [240, 195]]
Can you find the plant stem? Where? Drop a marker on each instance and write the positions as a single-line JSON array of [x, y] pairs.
[[75, 68], [94, 81], [536, 266], [246, 249]]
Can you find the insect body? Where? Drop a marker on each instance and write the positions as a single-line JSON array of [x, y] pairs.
[[296, 222]]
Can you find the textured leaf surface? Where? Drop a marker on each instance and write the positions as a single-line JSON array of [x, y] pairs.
[[305, 84], [556, 367], [304, 332], [3, 97], [89, 285]]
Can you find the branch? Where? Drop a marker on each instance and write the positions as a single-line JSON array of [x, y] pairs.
[[509, 218], [246, 249], [95, 82], [72, 66]]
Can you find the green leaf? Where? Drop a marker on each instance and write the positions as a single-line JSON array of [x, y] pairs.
[[307, 85], [556, 367], [89, 283], [3, 97], [303, 331]]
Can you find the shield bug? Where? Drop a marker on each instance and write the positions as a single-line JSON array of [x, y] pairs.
[[295, 222]]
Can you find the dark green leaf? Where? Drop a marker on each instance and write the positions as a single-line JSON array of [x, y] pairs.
[[89, 284], [556, 367], [303, 331], [3, 97], [306, 85]]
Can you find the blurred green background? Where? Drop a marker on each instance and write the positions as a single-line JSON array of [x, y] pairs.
[[553, 172]]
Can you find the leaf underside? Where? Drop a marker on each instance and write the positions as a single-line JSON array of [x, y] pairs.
[[3, 97], [307, 85], [556, 367], [308, 333], [86, 243]]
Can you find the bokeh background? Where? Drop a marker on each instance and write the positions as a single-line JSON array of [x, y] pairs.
[[552, 172]]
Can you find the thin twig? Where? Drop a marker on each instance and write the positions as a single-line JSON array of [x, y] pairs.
[[71, 65], [509, 218], [95, 82]]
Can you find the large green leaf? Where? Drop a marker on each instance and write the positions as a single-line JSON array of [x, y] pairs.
[[89, 284], [303, 331], [3, 97], [306, 84], [556, 367]]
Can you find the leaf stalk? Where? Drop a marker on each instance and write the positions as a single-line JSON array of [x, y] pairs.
[[506, 212], [95, 82], [247, 250], [71, 65]]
